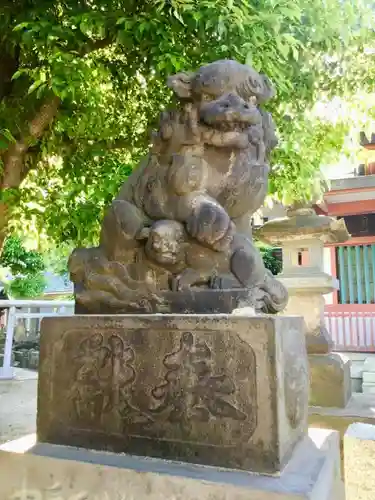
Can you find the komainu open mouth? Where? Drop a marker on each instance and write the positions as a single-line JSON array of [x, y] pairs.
[[226, 126]]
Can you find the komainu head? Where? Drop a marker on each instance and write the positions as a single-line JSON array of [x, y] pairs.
[[223, 96], [219, 78]]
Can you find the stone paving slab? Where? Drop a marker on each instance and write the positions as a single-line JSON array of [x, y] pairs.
[[18, 405]]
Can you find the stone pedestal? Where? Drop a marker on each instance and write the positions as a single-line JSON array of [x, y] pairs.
[[210, 393], [191, 301], [50, 471], [302, 236], [330, 382], [359, 453], [220, 390]]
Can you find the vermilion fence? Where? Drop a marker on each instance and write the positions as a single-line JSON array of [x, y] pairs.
[[351, 326]]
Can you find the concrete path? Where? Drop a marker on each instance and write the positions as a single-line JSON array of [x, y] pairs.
[[18, 405]]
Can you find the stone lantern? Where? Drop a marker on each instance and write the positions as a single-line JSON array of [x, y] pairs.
[[302, 235]]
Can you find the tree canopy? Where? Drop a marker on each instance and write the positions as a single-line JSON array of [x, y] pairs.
[[26, 268], [83, 81]]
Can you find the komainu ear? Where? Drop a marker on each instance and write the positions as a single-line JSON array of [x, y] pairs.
[[181, 84]]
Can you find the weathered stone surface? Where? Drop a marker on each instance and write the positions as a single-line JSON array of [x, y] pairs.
[[218, 390], [182, 219], [359, 450], [330, 383], [197, 301], [301, 224], [318, 340], [66, 473]]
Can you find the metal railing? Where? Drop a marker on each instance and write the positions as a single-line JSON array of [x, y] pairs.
[[352, 327], [58, 308]]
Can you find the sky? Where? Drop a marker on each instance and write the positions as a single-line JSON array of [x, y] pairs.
[[359, 114]]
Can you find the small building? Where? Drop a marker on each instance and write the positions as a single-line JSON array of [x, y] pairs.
[[57, 287]]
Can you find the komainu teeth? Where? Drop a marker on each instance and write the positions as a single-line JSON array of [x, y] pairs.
[[228, 126]]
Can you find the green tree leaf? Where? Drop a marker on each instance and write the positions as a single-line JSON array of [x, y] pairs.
[[34, 86], [8, 135], [107, 62]]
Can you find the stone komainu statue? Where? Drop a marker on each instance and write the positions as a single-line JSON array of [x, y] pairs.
[[182, 220]]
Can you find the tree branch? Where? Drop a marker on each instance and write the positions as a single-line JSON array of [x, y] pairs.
[[93, 45], [14, 169], [43, 118]]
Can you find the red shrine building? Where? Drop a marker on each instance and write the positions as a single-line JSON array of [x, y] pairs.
[[350, 311]]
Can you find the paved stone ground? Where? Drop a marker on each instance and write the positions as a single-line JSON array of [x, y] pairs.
[[18, 405]]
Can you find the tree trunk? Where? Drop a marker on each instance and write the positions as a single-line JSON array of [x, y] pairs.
[[4, 219]]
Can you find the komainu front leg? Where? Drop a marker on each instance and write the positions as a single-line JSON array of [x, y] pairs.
[[122, 225], [210, 225], [246, 263]]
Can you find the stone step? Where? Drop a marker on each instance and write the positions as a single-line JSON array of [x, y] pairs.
[[50, 471], [357, 356], [368, 388], [369, 364], [368, 377], [356, 369], [356, 385]]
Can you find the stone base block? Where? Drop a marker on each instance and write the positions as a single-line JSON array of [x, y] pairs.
[[223, 390], [318, 339], [330, 383], [71, 473]]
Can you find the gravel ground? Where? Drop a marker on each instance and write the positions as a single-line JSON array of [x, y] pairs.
[[18, 405]]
